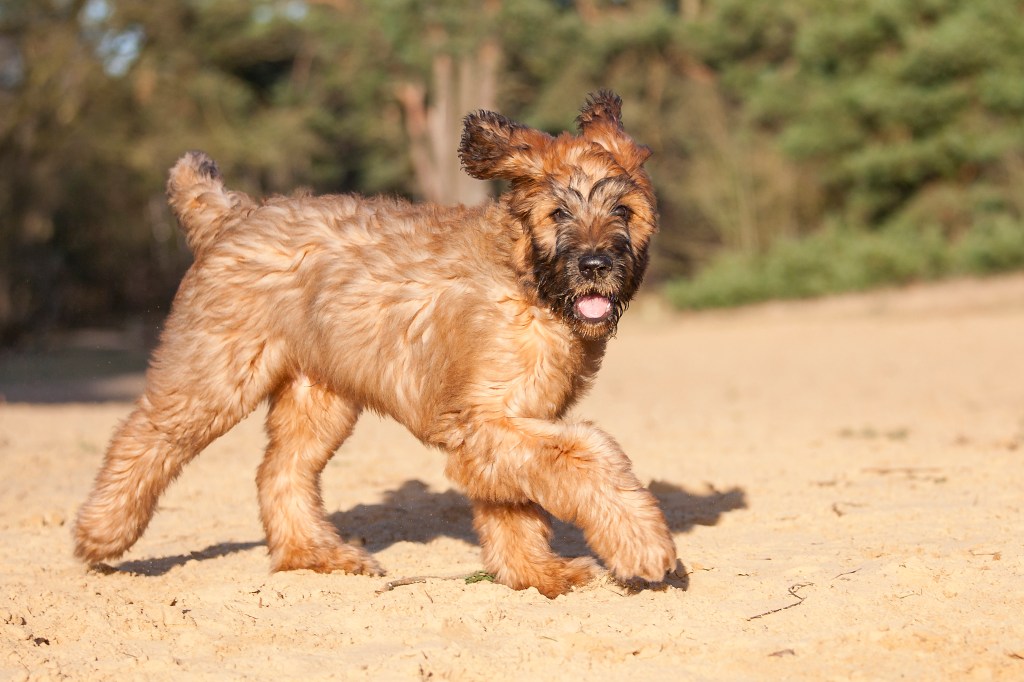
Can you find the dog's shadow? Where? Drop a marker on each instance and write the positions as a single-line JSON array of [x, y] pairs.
[[162, 565], [414, 513]]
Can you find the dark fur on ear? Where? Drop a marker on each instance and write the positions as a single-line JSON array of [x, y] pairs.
[[602, 106], [496, 147], [600, 121]]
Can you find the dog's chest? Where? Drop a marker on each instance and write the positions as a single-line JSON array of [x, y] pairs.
[[551, 368]]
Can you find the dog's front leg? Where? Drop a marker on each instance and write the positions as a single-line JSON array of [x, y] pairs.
[[515, 539], [579, 474]]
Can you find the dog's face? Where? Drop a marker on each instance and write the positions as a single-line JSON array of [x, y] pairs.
[[584, 201]]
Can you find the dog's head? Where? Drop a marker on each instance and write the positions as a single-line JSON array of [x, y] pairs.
[[585, 204]]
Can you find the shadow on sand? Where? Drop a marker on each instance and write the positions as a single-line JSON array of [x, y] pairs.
[[414, 513], [72, 375], [163, 565]]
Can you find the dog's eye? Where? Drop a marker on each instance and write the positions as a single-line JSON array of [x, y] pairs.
[[622, 211], [560, 214]]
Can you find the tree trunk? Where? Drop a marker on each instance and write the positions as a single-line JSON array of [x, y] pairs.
[[434, 128]]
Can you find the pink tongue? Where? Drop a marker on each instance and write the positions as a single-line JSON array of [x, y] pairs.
[[593, 307]]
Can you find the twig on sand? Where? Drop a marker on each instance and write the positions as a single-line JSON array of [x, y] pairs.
[[479, 576], [401, 582], [835, 577], [839, 512], [793, 592]]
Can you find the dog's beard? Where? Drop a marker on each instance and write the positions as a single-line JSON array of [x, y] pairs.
[[591, 307]]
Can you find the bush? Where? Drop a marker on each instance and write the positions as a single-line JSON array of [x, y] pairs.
[[840, 260], [996, 245]]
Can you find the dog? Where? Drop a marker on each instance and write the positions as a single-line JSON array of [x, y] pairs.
[[477, 328]]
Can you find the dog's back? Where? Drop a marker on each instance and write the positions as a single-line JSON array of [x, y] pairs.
[[401, 290]]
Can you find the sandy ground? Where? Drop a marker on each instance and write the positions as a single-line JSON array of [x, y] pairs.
[[843, 478]]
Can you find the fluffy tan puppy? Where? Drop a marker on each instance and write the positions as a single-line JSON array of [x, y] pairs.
[[477, 328]]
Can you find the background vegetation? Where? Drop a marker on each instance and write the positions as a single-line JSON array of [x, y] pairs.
[[801, 146]]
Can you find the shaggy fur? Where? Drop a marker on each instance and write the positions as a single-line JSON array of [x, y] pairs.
[[476, 328]]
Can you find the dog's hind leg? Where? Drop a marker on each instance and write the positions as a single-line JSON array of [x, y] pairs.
[[515, 539], [306, 424], [198, 386]]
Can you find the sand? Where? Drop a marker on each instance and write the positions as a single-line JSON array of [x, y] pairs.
[[843, 478]]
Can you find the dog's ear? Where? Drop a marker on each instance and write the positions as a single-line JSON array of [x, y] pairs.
[[603, 107], [495, 147], [600, 121]]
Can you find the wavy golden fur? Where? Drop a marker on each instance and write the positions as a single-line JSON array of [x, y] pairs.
[[476, 328]]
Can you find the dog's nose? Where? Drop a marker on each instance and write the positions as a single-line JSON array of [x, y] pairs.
[[595, 265]]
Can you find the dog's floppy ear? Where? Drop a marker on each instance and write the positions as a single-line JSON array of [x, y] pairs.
[[600, 121], [495, 147]]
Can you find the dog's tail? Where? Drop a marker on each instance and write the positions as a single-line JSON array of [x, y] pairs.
[[196, 193]]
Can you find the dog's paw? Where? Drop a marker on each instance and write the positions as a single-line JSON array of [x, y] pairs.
[[551, 577], [562, 575], [97, 539], [652, 565], [642, 552], [340, 557]]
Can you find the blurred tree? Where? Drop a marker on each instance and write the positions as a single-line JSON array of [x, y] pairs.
[[463, 77], [766, 119], [57, 132], [102, 97], [904, 111]]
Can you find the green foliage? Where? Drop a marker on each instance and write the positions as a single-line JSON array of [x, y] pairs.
[[768, 122], [905, 120], [889, 98], [994, 245], [836, 260], [479, 577]]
